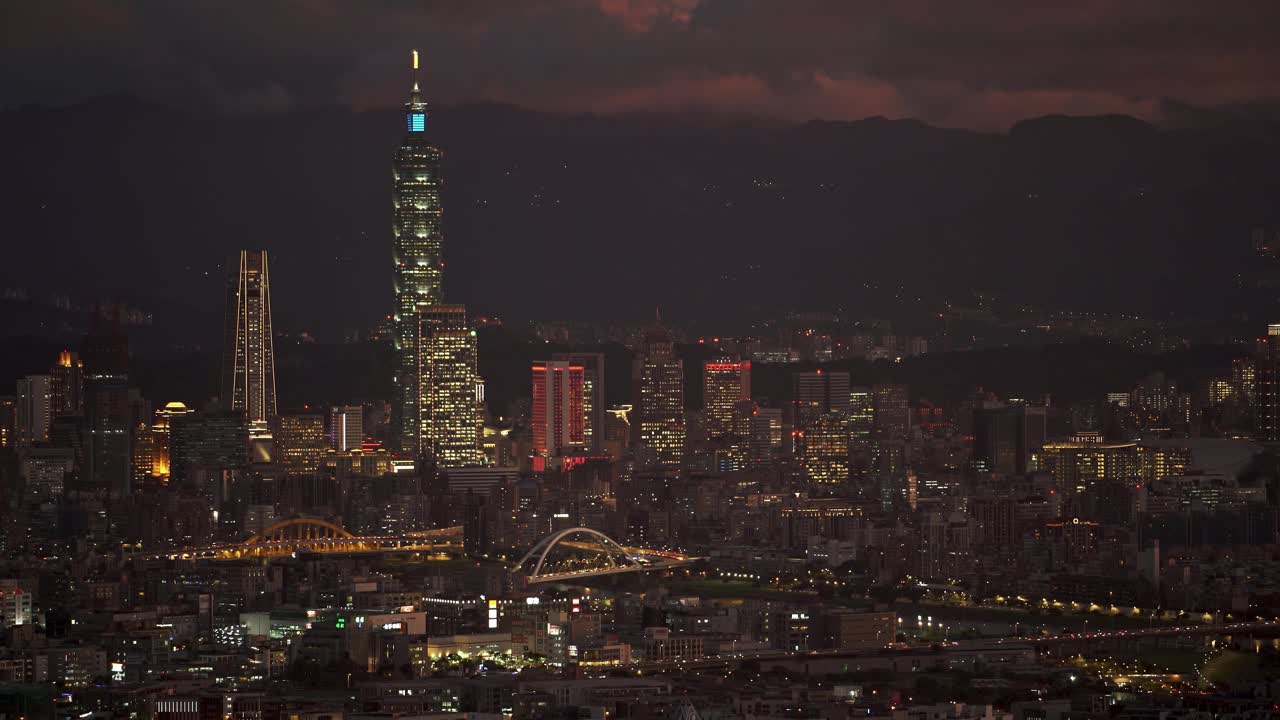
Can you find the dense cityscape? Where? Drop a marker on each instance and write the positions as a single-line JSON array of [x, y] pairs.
[[917, 503]]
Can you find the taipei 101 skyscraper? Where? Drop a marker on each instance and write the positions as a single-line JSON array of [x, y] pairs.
[[419, 265]]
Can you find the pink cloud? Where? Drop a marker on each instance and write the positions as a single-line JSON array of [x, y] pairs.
[[641, 16], [818, 96]]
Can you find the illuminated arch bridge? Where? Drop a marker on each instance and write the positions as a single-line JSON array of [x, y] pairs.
[[581, 552], [313, 535]]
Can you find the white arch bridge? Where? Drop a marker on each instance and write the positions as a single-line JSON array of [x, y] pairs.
[[581, 552]]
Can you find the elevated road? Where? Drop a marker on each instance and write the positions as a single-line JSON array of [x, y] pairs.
[[994, 646], [313, 535]]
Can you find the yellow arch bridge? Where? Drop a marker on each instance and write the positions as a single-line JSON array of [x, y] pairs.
[[313, 535]]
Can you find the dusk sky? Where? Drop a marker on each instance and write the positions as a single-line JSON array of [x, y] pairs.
[[963, 64]]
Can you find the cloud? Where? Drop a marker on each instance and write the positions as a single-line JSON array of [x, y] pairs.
[[982, 64], [644, 15], [818, 95], [269, 98]]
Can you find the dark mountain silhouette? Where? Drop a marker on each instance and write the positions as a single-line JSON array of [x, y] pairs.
[[712, 218]]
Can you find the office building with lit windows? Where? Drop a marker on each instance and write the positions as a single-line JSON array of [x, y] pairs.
[[659, 378], [1004, 437], [558, 417], [766, 434], [66, 386], [164, 418], [1077, 464], [892, 410], [45, 471], [248, 359], [15, 606], [33, 409], [419, 264], [1159, 460], [346, 427], [300, 442], [817, 393], [824, 448], [450, 402], [725, 384], [1266, 377], [8, 421], [1244, 378], [203, 444], [142, 457], [107, 411], [862, 415]]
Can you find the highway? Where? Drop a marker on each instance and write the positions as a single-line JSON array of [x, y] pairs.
[[960, 646]]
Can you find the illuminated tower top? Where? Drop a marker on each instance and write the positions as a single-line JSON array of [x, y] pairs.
[[416, 108]]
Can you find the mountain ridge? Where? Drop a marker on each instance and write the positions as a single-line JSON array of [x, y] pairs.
[[545, 210]]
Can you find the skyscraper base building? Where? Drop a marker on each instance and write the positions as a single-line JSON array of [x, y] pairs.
[[450, 402]]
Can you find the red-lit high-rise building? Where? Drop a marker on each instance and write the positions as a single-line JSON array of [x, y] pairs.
[[558, 417]]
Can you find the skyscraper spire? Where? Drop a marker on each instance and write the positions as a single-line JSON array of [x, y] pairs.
[[416, 108], [415, 74]]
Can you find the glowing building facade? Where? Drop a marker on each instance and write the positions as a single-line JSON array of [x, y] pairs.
[[346, 427], [824, 448], [8, 421], [248, 359], [558, 417], [593, 398], [1266, 386], [419, 264], [659, 376], [1084, 461], [300, 442], [862, 416], [725, 384], [450, 403], [160, 438], [66, 386]]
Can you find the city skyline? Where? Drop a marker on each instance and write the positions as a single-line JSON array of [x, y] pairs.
[[712, 417]]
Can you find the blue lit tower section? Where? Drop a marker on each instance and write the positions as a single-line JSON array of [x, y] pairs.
[[419, 265]]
